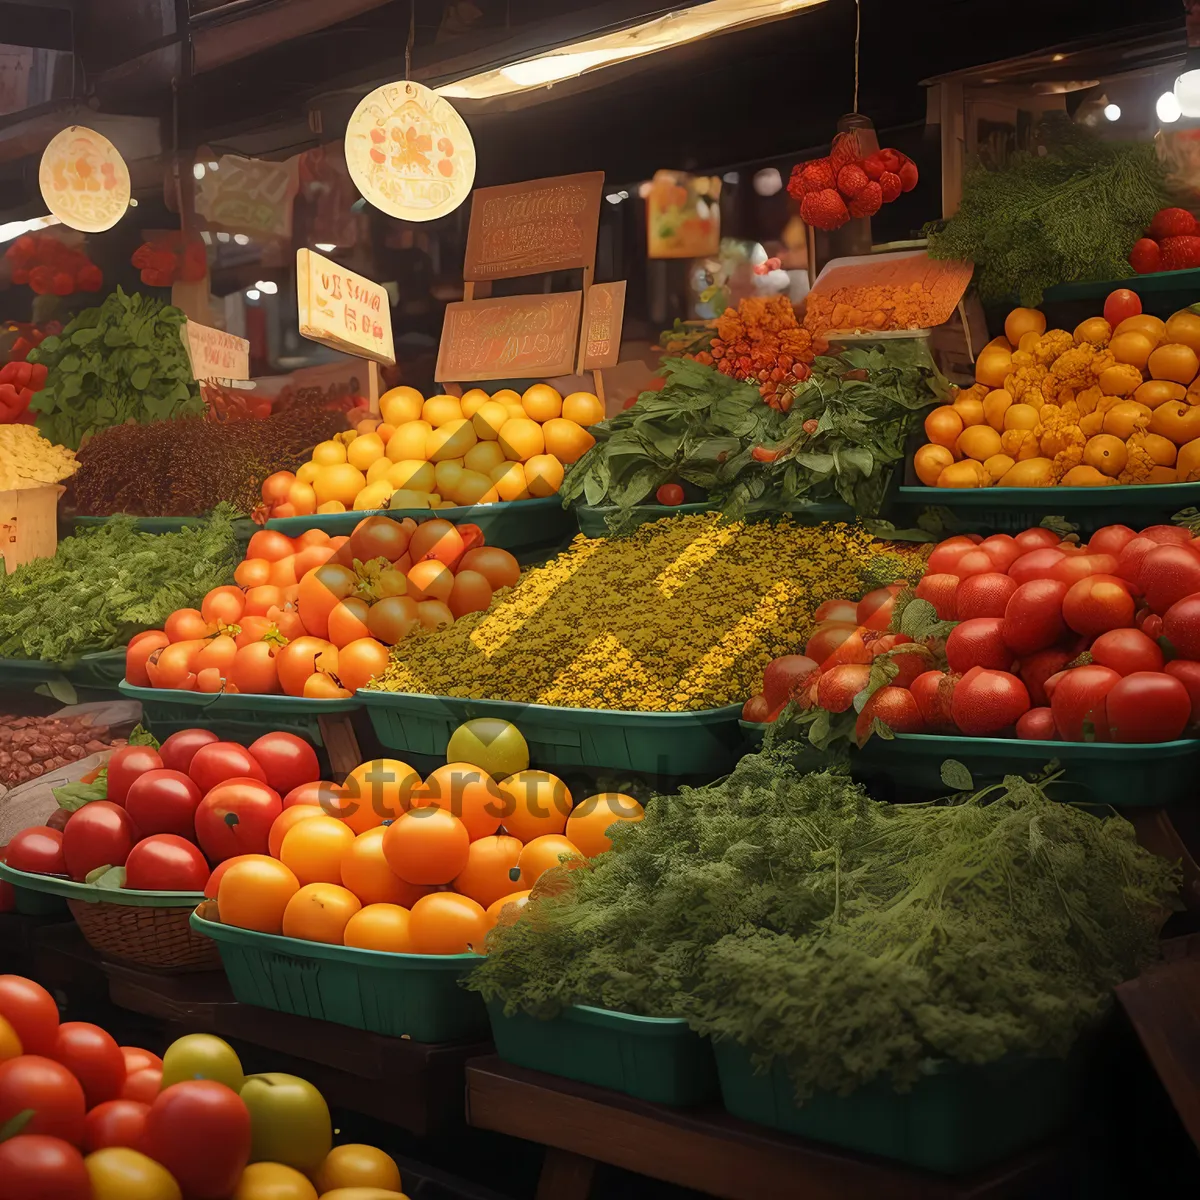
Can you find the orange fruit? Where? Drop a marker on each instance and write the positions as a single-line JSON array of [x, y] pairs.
[[379, 927], [584, 408], [284, 822], [491, 865], [360, 661], [976, 441], [339, 481], [968, 473], [1106, 453], [929, 462], [535, 803], [1174, 361], [1176, 420], [998, 465], [326, 454], [449, 440], [1187, 465], [379, 470], [1022, 321], [254, 893], [993, 365], [1020, 416], [567, 440], [489, 419], [969, 410], [1154, 392], [1184, 328], [472, 401], [409, 441], [1161, 450], [426, 846], [331, 506], [943, 425], [401, 404], [513, 902], [312, 850], [414, 474], [348, 621], [1120, 380], [366, 449], [474, 488], [588, 824], [541, 854], [507, 396], [1154, 328], [1122, 419], [541, 402], [430, 580], [441, 410], [543, 475], [468, 792], [307, 472], [1096, 331], [1133, 347], [319, 912], [995, 404], [521, 439], [357, 1166], [446, 923], [484, 457], [366, 873], [376, 791], [510, 482]]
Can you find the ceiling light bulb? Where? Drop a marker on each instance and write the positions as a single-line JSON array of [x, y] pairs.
[[1187, 92], [768, 181], [1167, 108], [241, 239], [267, 287], [1112, 112], [198, 170], [222, 237], [252, 293], [214, 166]]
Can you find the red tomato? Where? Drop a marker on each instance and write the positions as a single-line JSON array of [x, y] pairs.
[[115, 1123], [1037, 564], [1181, 627], [942, 592], [984, 595], [896, 707], [1037, 725], [978, 643], [1033, 616], [933, 691], [286, 760], [669, 493], [235, 818], [320, 791], [219, 761], [137, 1059], [1002, 550], [1112, 539], [37, 849], [33, 1167], [1097, 604], [1120, 304], [1078, 703], [1168, 574], [31, 1011], [177, 751], [49, 1089], [163, 801], [1133, 555], [1036, 669], [874, 610], [166, 862], [1127, 651], [93, 1057], [98, 834], [1036, 539], [1188, 673], [1148, 706], [200, 1131], [1167, 535], [837, 687], [142, 1085], [1074, 567], [125, 764], [827, 639], [987, 701], [843, 611], [944, 558]]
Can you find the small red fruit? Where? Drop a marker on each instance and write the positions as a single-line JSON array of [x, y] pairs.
[[1120, 304], [1171, 222], [669, 493], [987, 701], [1033, 617], [851, 180], [824, 210], [978, 643], [1145, 257], [895, 707], [1037, 725], [985, 595], [908, 175], [940, 591], [890, 186], [934, 693], [868, 202], [837, 687]]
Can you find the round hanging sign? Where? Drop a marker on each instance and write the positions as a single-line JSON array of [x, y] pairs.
[[409, 153], [84, 180]]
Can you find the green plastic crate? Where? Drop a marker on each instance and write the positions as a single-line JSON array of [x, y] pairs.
[[754, 732], [513, 525], [954, 1120], [685, 743], [1121, 774], [102, 671], [27, 672], [398, 995], [68, 889], [659, 1059], [593, 519], [166, 710]]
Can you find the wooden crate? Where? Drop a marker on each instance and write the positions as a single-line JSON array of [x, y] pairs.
[[28, 524]]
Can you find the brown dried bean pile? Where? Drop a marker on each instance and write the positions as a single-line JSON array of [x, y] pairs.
[[34, 746]]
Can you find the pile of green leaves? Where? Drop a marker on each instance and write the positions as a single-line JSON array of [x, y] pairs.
[[1072, 213], [109, 582], [849, 938], [122, 361], [703, 428]]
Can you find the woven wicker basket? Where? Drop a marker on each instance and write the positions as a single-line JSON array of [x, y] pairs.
[[151, 937]]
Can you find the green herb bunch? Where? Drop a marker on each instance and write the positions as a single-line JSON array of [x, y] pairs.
[[109, 582], [1072, 213], [849, 938], [122, 361]]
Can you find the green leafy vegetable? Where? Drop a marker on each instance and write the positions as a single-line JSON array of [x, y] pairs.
[[107, 583], [122, 361], [851, 938]]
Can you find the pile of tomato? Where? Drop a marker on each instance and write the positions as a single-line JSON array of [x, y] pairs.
[[316, 615], [173, 813], [1041, 637], [82, 1118]]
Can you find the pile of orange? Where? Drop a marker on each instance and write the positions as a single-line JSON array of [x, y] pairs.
[[389, 862], [442, 452], [1116, 401]]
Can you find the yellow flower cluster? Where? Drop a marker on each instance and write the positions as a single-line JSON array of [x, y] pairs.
[[29, 460], [681, 615]]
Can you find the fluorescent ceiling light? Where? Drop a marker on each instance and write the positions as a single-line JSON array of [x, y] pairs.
[[1167, 108], [267, 287], [14, 229], [672, 29], [241, 239], [252, 293], [1112, 112]]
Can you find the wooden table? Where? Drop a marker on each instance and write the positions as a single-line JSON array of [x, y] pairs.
[[413, 1085], [707, 1150]]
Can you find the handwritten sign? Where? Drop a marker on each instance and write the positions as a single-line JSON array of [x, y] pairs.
[[409, 152], [250, 194], [342, 310], [216, 354], [527, 228], [509, 337], [84, 180], [603, 315]]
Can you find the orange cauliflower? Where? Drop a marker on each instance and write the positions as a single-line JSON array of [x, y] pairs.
[[1088, 399], [1072, 369], [1050, 345], [1059, 436], [1139, 462], [1020, 444]]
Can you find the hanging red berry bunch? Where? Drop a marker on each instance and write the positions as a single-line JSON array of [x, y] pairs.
[[50, 267], [170, 259], [844, 185]]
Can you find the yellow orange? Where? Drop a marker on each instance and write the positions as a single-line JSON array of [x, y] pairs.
[[978, 442], [1020, 416], [1161, 450], [1154, 392], [942, 426], [489, 419], [473, 487], [379, 927], [1022, 321], [507, 396], [509, 481], [357, 1166], [567, 440], [541, 402], [327, 454], [541, 855], [536, 803], [995, 404], [521, 439], [366, 449], [415, 474], [584, 408], [447, 923], [993, 365], [1033, 472], [930, 461], [307, 472], [1154, 328], [379, 470], [1085, 476], [970, 410], [373, 496], [1122, 419], [968, 473], [375, 792], [1133, 347], [312, 850], [484, 457], [1106, 453], [1184, 327], [446, 476], [366, 873], [1187, 465], [1176, 420], [319, 912], [441, 410], [588, 824], [1096, 331], [1121, 380], [331, 506], [450, 440], [408, 441], [472, 401], [340, 481], [543, 475], [998, 465], [400, 405], [1174, 361]]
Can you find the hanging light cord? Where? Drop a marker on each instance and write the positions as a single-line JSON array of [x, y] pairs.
[[412, 35], [857, 34]]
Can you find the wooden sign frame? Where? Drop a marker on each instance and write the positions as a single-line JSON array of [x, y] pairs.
[[551, 223], [603, 317], [215, 354], [534, 319], [347, 292]]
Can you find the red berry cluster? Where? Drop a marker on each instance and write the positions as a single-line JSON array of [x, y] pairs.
[[51, 267], [844, 185], [171, 259], [1171, 243]]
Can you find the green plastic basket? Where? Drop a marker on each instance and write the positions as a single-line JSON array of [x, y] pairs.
[[398, 995], [1121, 774], [166, 710], [658, 1059], [954, 1120], [243, 527], [754, 732], [1147, 286], [593, 519], [707, 742], [27, 672], [98, 672], [513, 525]]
